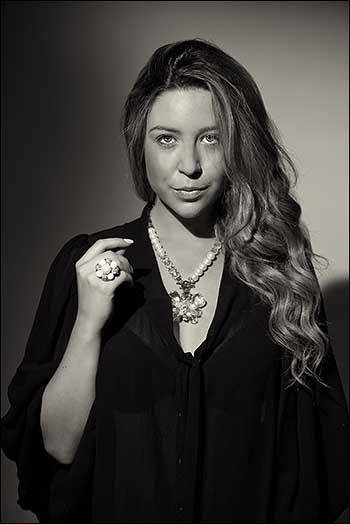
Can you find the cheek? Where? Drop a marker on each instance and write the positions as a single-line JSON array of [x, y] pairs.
[[211, 155], [158, 164], [213, 165]]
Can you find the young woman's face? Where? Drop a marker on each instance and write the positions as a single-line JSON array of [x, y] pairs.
[[184, 152]]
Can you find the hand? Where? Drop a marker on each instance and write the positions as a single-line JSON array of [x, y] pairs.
[[95, 296]]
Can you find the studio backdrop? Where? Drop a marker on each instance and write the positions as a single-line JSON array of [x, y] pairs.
[[67, 68]]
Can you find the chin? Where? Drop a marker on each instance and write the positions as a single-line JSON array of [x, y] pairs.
[[189, 210]]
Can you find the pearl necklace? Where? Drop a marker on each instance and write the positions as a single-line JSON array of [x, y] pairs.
[[185, 306]]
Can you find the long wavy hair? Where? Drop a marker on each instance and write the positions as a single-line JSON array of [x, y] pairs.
[[258, 218]]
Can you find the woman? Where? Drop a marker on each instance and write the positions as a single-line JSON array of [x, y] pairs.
[[179, 367]]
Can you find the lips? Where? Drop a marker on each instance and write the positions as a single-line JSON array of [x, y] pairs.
[[189, 189], [190, 194]]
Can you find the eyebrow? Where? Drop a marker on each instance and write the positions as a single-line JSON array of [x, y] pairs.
[[172, 130]]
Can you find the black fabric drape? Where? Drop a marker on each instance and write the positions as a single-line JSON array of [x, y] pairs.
[[171, 436]]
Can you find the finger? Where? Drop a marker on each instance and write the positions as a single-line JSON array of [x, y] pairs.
[[128, 280], [126, 264], [102, 245]]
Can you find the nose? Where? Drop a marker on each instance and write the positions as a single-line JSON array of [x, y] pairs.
[[189, 162]]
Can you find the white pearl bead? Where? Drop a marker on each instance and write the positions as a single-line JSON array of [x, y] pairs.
[[160, 251]]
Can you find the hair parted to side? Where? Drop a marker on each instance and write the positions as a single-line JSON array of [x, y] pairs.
[[258, 217]]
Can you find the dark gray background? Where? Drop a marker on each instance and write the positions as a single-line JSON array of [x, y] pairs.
[[67, 68]]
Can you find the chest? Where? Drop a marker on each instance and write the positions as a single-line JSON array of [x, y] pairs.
[[189, 335]]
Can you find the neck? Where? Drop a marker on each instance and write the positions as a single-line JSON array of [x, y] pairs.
[[170, 225]]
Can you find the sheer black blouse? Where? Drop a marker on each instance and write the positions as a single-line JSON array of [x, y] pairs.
[[171, 436]]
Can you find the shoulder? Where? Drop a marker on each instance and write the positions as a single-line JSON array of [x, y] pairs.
[[73, 248], [61, 273], [124, 230]]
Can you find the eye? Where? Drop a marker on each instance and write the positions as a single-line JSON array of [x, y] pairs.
[[168, 140], [213, 139], [163, 139]]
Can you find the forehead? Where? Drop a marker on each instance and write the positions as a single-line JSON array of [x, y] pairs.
[[182, 107]]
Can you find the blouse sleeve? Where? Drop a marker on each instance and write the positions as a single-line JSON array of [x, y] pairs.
[[312, 449], [21, 440], [332, 427]]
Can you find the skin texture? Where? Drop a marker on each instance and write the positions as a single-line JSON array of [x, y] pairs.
[[189, 157]]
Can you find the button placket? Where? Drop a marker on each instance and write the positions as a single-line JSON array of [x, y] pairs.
[[182, 385], [188, 426]]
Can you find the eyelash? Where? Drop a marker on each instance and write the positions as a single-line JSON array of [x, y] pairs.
[[170, 136]]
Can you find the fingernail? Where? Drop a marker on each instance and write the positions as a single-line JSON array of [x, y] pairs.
[[128, 240]]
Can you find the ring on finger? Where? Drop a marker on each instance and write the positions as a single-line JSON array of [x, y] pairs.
[[107, 269]]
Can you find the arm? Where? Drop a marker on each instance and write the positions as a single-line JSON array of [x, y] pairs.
[[68, 397]]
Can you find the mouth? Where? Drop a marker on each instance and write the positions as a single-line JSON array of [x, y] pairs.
[[189, 189], [190, 194]]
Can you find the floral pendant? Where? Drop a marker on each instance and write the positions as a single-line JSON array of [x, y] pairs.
[[187, 307]]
